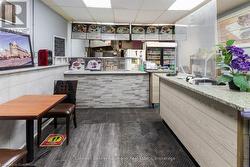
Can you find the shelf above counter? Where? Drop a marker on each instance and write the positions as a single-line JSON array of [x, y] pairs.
[[36, 68], [104, 73]]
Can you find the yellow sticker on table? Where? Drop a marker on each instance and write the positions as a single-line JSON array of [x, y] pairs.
[[53, 140]]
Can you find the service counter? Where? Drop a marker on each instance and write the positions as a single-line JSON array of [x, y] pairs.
[[210, 121], [111, 89]]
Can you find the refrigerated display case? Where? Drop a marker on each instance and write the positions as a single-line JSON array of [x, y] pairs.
[[154, 55], [169, 58], [162, 53]]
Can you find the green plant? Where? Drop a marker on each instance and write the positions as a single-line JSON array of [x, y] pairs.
[[235, 65]]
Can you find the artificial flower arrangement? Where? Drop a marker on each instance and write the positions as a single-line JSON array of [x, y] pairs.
[[235, 65]]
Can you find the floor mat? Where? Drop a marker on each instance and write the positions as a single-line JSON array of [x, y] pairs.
[[53, 140]]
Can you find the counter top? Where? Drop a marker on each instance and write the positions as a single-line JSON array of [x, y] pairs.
[[21, 70], [158, 71], [222, 94], [104, 72]]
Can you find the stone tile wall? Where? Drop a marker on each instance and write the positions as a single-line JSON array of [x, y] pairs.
[[112, 91]]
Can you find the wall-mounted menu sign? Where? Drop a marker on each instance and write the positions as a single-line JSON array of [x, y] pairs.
[[86, 31], [159, 33], [94, 31], [122, 32], [152, 33], [79, 31], [166, 32], [97, 31], [115, 32], [108, 32], [138, 32]]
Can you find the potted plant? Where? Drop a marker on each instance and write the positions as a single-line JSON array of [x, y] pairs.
[[235, 65]]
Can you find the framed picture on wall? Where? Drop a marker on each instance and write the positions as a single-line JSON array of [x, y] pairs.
[[59, 46], [235, 26], [15, 50]]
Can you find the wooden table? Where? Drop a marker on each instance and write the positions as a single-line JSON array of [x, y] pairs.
[[29, 108]]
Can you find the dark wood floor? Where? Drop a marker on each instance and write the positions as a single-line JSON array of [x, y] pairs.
[[116, 138]]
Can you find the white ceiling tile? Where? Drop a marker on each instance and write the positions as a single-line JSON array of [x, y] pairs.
[[145, 11], [124, 15], [102, 15], [170, 17], [126, 4], [69, 3], [159, 5], [148, 16], [78, 14]]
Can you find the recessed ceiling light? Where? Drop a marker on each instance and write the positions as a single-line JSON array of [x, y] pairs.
[[97, 3], [185, 4]]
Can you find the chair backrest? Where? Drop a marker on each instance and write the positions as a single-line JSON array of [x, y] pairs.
[[68, 87]]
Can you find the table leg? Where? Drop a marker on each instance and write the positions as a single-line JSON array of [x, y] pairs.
[[30, 140]]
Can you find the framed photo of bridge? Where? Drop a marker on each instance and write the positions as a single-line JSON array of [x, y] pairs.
[[15, 50]]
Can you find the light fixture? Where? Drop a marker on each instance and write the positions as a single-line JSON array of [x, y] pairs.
[[98, 3], [185, 4]]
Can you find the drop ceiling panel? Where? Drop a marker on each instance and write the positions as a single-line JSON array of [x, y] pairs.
[[148, 16], [69, 3], [135, 11], [127, 4], [170, 17], [79, 14], [124, 15], [159, 5], [102, 15]]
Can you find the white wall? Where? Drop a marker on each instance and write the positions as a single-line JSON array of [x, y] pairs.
[[47, 24]]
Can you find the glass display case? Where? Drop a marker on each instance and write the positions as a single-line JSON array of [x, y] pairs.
[[163, 54], [154, 55], [106, 63]]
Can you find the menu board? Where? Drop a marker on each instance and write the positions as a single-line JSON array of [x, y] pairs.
[[94, 31], [138, 32], [159, 33], [108, 32], [166, 32], [123, 32], [79, 31], [152, 33], [115, 32], [97, 31]]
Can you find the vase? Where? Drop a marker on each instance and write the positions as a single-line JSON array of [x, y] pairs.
[[233, 86]]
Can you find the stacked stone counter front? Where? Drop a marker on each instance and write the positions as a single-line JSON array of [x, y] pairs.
[[118, 89]]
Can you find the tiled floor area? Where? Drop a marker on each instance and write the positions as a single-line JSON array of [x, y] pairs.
[[117, 138]]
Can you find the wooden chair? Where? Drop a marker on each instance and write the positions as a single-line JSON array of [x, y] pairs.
[[11, 157], [66, 109]]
